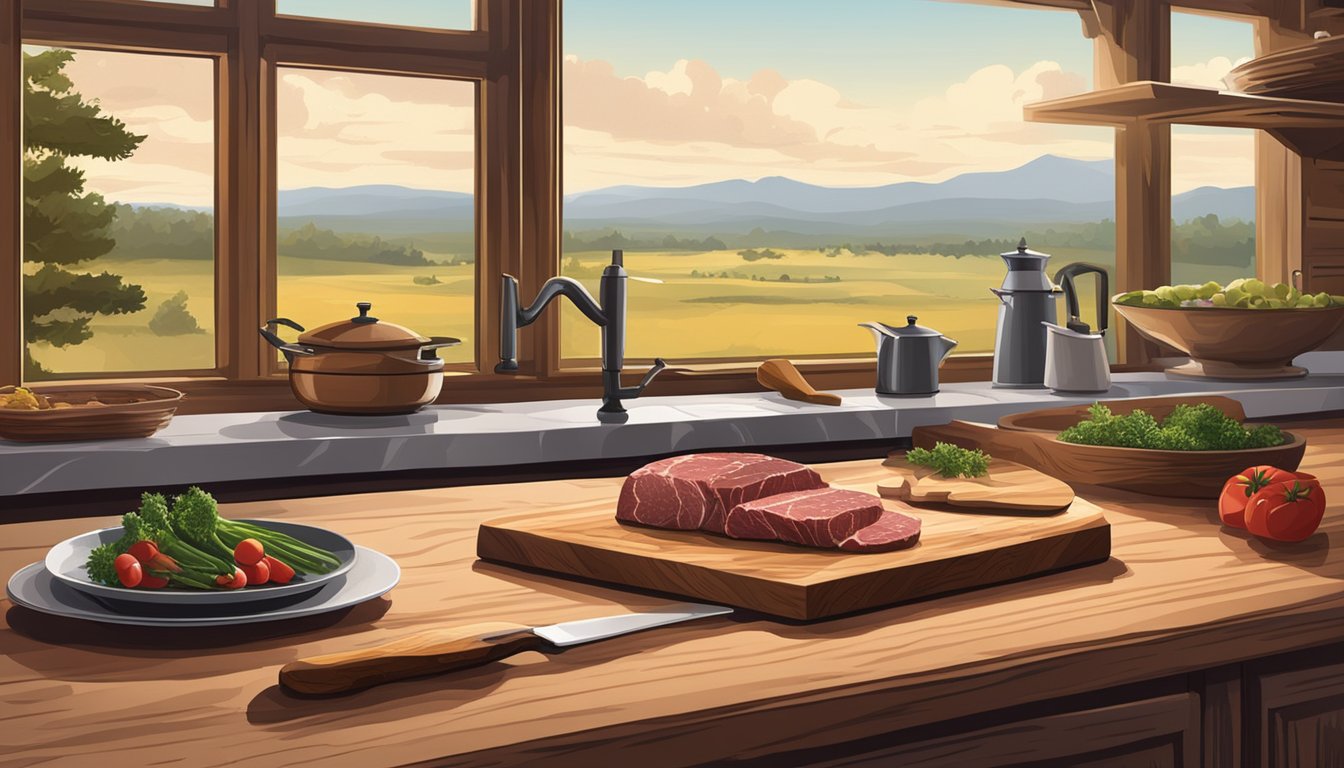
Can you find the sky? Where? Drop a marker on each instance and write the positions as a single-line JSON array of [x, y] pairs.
[[853, 93]]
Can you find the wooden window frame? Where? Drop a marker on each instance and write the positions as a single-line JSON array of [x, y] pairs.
[[514, 57]]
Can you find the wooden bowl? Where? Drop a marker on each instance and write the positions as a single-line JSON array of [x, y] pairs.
[[128, 410], [1236, 343], [1056, 420], [1176, 474]]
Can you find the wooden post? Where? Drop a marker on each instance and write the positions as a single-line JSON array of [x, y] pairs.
[[540, 216], [1133, 43], [11, 193], [498, 212]]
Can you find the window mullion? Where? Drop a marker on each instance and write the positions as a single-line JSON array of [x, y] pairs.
[[11, 200], [245, 263]]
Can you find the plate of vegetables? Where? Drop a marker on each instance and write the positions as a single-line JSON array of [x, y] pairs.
[[183, 552]]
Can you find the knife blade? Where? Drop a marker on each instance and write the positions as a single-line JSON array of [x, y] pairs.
[[439, 651]]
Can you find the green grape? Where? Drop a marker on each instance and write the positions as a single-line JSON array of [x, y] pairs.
[[1167, 293], [1235, 295], [1321, 299], [1278, 291], [1275, 303], [1254, 287], [1219, 299], [1208, 290], [1236, 284], [1185, 292]]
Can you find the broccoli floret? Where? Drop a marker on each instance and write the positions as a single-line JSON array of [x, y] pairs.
[[101, 564]]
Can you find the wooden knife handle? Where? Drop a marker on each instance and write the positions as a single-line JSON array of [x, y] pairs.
[[424, 653]]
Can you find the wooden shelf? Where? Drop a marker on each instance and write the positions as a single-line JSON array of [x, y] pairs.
[[1311, 128]]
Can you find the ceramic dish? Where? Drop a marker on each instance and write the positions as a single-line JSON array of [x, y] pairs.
[[372, 575], [65, 562], [127, 410]]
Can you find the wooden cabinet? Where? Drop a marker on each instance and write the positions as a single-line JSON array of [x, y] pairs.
[[1162, 732], [1301, 715]]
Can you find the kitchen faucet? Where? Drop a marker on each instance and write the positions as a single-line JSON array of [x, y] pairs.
[[609, 316]]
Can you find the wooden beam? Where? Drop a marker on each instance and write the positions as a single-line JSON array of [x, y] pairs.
[[498, 170], [245, 205], [541, 150], [11, 193], [1134, 45]]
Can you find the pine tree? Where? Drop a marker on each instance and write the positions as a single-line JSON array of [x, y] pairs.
[[63, 225]]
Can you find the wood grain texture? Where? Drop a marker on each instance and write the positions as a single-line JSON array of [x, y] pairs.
[[1301, 717], [781, 375], [955, 552], [1178, 474], [1064, 738], [1179, 594], [424, 653], [11, 193], [1007, 486]]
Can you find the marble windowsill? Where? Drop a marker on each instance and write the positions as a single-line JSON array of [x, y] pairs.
[[246, 446]]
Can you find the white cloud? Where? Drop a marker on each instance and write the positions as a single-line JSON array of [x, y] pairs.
[[1208, 74]]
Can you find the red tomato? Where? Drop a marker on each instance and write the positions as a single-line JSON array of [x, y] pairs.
[[1238, 490], [1287, 511], [238, 581], [150, 581], [280, 572], [144, 551], [248, 552], [129, 572], [260, 573]]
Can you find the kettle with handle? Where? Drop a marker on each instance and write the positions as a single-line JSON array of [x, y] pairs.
[[908, 357], [1075, 355]]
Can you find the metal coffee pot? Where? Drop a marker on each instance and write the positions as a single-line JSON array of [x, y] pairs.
[[1075, 355], [908, 357], [1026, 302]]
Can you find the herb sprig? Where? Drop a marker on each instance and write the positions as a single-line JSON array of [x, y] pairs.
[[951, 460], [1189, 428]]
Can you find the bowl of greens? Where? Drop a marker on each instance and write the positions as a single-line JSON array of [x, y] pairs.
[[1246, 329], [1179, 446]]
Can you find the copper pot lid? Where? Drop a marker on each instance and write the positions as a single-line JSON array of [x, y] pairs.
[[363, 332]]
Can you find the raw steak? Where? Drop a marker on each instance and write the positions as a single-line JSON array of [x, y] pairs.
[[825, 518], [696, 491], [892, 530]]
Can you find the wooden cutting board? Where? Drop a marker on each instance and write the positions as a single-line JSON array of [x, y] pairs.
[[1007, 486], [956, 552]]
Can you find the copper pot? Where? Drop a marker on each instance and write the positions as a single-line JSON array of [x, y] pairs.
[[361, 365]]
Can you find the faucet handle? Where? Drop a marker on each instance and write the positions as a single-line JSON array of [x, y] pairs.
[[658, 366]]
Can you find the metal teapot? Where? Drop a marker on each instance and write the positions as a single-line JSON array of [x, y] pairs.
[[908, 357]]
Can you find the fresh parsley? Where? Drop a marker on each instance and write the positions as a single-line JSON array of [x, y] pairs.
[[951, 460], [1189, 428]]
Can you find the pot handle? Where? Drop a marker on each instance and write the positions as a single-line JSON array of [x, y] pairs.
[[437, 343], [267, 332]]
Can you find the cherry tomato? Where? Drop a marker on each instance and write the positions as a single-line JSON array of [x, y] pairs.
[[259, 573], [129, 572], [143, 551], [248, 552], [280, 572], [1238, 490], [1287, 511], [150, 581]]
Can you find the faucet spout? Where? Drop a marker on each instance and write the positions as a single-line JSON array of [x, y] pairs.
[[609, 315], [512, 317]]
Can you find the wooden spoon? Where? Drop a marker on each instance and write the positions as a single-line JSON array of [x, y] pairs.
[[780, 375]]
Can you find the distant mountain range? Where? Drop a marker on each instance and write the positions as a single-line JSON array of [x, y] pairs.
[[1047, 190]]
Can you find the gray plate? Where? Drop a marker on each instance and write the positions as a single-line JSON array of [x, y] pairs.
[[65, 562], [373, 574]]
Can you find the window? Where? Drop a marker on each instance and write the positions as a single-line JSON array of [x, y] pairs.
[[118, 186], [1212, 169], [300, 156], [782, 190], [376, 179]]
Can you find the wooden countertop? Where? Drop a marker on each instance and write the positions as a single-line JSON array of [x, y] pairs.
[[1179, 594]]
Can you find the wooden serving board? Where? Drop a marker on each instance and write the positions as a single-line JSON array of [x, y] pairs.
[[1007, 486], [956, 552]]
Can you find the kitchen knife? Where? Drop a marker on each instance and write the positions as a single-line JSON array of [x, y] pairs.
[[438, 651]]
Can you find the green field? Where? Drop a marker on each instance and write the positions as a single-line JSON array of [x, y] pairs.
[[751, 313]]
